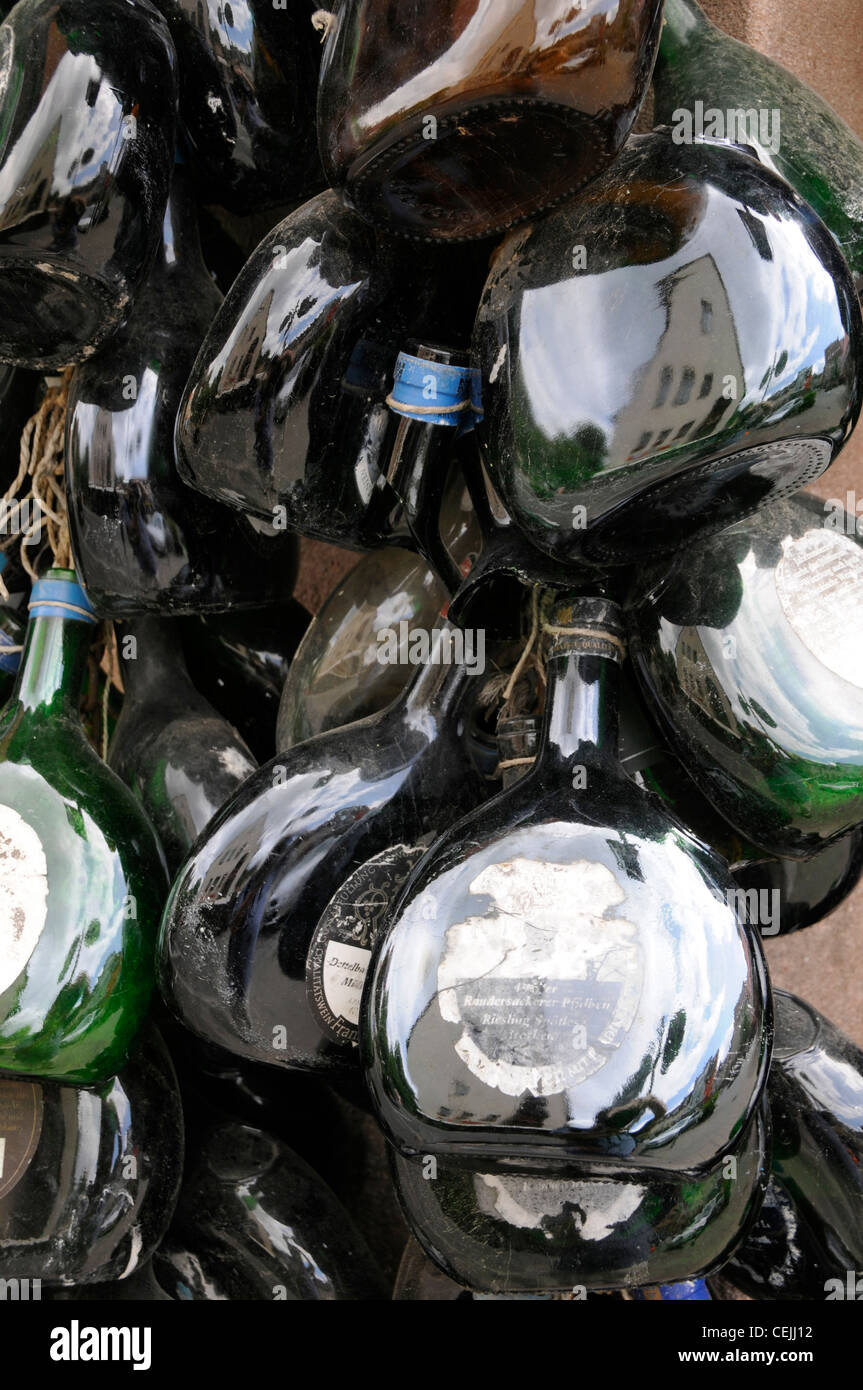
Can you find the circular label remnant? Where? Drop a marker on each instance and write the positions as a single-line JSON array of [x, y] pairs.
[[23, 894], [819, 582], [341, 949], [20, 1128], [545, 987]]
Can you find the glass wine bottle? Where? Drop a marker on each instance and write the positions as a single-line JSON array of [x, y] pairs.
[[255, 1222], [88, 95], [82, 874], [248, 86], [454, 121], [144, 541], [702, 74], [336, 676], [607, 445], [247, 931], [532, 997], [748, 653], [285, 413], [180, 758], [540, 1231], [779, 896], [240, 663], [89, 1178], [809, 1236]]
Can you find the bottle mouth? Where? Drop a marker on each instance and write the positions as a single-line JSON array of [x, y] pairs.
[[589, 624], [59, 595]]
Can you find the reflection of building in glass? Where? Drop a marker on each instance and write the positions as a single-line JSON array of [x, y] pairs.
[[680, 394], [698, 681], [33, 192], [245, 350]]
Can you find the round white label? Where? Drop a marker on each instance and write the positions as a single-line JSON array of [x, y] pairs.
[[23, 894], [819, 581]]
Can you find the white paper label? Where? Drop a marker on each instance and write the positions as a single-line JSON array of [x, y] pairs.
[[545, 987], [345, 969], [819, 582], [23, 894]]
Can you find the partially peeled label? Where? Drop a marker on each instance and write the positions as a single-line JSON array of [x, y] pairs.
[[23, 894], [544, 986]]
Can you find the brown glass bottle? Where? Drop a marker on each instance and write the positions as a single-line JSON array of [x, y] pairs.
[[452, 119]]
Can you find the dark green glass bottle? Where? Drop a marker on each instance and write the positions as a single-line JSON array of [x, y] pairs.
[[702, 74], [809, 1235], [82, 876], [240, 662], [336, 675], [748, 651], [535, 995], [181, 759], [724, 371], [89, 1178], [255, 1222]]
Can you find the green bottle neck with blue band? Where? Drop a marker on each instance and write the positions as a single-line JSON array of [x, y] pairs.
[[56, 647]]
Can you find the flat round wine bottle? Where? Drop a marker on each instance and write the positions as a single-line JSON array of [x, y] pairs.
[[240, 662], [88, 95], [451, 121], [473, 1227], [258, 895], [600, 1228], [144, 541], [82, 875], [779, 896], [809, 1237], [89, 1178], [248, 87], [337, 675], [702, 75], [533, 996], [285, 413], [180, 758], [747, 650], [255, 1222], [741, 384]]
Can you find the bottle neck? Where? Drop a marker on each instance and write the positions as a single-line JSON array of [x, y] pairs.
[[582, 699], [180, 244], [684, 21], [440, 681], [152, 661], [53, 666]]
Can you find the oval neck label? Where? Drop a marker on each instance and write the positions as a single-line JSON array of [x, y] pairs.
[[20, 1128]]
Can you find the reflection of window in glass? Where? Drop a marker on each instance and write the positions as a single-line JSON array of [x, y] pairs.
[[684, 390], [706, 386], [706, 316], [684, 429], [666, 376], [661, 438], [643, 441]]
